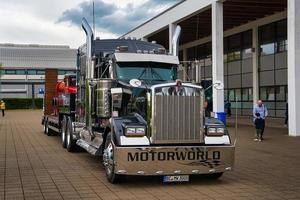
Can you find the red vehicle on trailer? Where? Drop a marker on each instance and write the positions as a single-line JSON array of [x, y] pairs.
[[63, 107]]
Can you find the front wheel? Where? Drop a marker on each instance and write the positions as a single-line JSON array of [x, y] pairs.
[[71, 143], [108, 161]]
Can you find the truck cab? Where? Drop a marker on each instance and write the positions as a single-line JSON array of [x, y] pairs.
[[133, 111]]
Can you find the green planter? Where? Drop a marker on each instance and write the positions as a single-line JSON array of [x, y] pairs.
[[22, 103]]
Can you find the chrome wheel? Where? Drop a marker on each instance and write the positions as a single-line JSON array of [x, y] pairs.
[[45, 125], [68, 138], [46, 128], [63, 132], [71, 143], [108, 159]]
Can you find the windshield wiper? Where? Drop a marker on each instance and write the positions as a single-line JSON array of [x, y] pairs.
[[157, 74], [143, 72]]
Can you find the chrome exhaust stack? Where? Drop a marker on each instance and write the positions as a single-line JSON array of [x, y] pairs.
[[175, 41], [89, 72]]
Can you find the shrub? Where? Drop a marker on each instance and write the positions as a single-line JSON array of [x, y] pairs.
[[22, 103]]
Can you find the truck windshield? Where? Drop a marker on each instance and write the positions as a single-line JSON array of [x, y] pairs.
[[145, 71]]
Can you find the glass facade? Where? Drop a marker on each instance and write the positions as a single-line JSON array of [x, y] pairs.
[[238, 72], [273, 67], [33, 72]]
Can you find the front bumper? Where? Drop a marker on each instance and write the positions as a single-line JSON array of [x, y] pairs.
[[173, 160]]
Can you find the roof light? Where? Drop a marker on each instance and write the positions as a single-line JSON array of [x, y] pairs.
[[122, 48], [161, 51]]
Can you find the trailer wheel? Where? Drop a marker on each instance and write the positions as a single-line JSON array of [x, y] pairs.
[[48, 131], [45, 125], [63, 132], [108, 161], [70, 143]]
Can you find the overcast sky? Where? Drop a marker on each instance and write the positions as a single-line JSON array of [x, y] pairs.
[[58, 21]]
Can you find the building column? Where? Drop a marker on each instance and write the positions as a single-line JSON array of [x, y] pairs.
[[255, 64], [172, 28], [217, 55], [294, 66], [184, 64]]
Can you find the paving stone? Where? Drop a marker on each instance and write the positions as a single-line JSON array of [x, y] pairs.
[[35, 166]]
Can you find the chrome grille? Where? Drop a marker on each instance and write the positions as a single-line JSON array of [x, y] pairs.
[[177, 119]]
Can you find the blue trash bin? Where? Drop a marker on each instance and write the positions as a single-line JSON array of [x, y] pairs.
[[222, 117]]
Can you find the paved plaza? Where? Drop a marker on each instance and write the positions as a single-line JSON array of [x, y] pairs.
[[35, 166]]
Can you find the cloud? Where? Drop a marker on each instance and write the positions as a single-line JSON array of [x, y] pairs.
[[112, 18]]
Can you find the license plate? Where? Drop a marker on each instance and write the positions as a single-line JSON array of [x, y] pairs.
[[183, 178]]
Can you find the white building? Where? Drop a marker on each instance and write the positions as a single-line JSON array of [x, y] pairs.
[[24, 65], [242, 43]]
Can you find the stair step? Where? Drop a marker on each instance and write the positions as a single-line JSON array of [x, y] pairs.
[[93, 150]]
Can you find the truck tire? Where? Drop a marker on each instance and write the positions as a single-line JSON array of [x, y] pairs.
[[48, 131], [45, 122], [70, 142], [108, 161], [64, 123]]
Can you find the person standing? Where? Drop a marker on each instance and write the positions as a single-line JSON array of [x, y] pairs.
[[259, 125], [263, 113], [2, 107], [228, 108]]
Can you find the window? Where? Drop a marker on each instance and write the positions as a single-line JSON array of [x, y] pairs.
[[247, 53], [250, 94], [145, 71], [281, 46], [40, 72], [231, 95], [281, 30], [263, 94], [247, 39], [267, 34], [267, 93], [280, 93], [234, 42], [245, 94], [10, 71], [20, 71], [31, 72], [238, 95], [61, 72], [225, 95], [267, 49]]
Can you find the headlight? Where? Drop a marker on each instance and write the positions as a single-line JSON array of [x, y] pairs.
[[211, 131], [130, 131], [135, 132], [140, 131], [220, 131], [215, 131]]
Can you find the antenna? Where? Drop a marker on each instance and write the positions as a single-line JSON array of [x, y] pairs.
[[94, 17]]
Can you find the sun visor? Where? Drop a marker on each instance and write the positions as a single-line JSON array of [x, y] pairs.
[[135, 57]]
